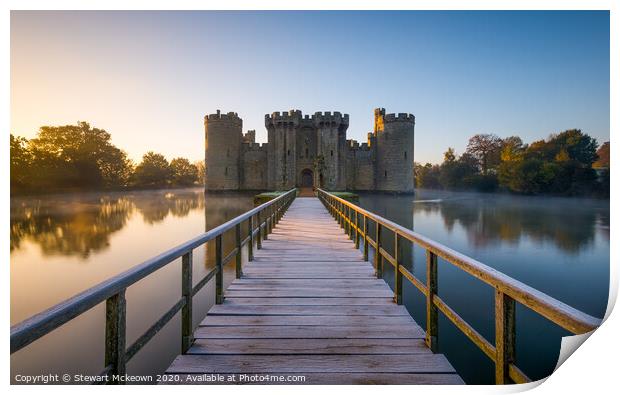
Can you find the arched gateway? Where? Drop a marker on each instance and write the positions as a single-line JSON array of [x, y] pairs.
[[307, 178]]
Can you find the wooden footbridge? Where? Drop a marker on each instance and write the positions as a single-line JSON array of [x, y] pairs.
[[308, 307]]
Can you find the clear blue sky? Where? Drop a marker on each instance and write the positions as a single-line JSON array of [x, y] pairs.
[[150, 77]]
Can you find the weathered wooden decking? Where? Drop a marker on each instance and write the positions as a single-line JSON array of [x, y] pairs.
[[309, 305]]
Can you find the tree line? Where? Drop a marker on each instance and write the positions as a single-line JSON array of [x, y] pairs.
[[80, 157], [567, 163]]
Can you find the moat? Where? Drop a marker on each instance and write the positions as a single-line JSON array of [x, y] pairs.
[[62, 244]]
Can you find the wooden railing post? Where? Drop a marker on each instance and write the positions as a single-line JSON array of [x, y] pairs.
[[504, 336], [398, 276], [251, 241], [219, 275], [115, 335], [238, 272], [357, 228], [431, 310], [378, 257], [186, 311], [365, 238], [267, 217], [259, 243]]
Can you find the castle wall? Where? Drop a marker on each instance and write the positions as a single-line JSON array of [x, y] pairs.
[[360, 169], [222, 151], [254, 167], [331, 137]]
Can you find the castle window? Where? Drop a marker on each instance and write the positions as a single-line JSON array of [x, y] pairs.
[[226, 171], [306, 152], [331, 152], [385, 173], [405, 154], [288, 152]]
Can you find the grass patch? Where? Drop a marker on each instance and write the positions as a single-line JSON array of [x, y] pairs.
[[266, 196]]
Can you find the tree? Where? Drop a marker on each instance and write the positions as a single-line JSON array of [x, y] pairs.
[[602, 161], [21, 161], [71, 156], [200, 165], [486, 149], [427, 176], [183, 172], [153, 171], [454, 173]]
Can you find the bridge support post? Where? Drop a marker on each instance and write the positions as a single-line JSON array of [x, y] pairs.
[[219, 275], [115, 332], [504, 336], [357, 228], [259, 243], [432, 314], [251, 241], [186, 312], [238, 256], [365, 238], [378, 259], [398, 276]]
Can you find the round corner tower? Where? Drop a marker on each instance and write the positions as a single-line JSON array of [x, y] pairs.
[[395, 142], [223, 135]]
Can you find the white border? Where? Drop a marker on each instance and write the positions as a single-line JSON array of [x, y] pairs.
[[591, 369]]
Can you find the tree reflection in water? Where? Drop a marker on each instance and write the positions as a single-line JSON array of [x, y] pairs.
[[80, 224], [570, 224]]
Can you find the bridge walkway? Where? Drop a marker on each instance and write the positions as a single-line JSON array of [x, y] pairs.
[[309, 305]]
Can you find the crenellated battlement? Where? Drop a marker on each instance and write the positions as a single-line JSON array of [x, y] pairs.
[[330, 118], [219, 116], [296, 118], [290, 118], [400, 117], [255, 146], [354, 145]]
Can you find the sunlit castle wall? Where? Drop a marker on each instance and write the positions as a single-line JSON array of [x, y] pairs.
[[223, 136], [394, 135]]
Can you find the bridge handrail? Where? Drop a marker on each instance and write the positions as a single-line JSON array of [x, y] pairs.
[[112, 291], [507, 289]]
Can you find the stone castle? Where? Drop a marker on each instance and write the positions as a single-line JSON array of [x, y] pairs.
[[308, 152]]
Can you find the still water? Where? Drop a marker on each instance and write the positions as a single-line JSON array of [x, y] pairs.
[[559, 246], [63, 244]]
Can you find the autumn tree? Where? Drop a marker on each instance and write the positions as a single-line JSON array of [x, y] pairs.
[[153, 171], [183, 172], [486, 148]]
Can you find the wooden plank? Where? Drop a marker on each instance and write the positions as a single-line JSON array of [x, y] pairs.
[[301, 275], [307, 287], [379, 310], [299, 320], [302, 282], [309, 346], [407, 331], [313, 293], [308, 301], [405, 363], [331, 379]]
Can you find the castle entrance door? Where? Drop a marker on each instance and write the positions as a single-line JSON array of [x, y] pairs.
[[307, 179], [307, 182]]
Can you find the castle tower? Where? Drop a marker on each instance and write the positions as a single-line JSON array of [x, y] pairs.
[[332, 148], [223, 135], [394, 134], [281, 151]]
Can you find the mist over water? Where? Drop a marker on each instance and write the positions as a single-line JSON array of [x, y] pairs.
[[63, 244]]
